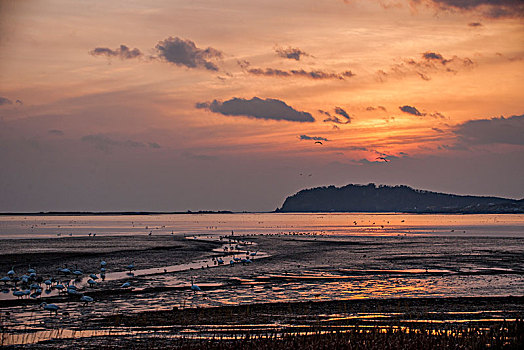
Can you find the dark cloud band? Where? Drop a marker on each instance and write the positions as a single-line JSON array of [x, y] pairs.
[[490, 131], [269, 109], [185, 53], [317, 74], [313, 138]]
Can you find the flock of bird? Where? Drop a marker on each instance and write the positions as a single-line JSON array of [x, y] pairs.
[[32, 285], [71, 282]]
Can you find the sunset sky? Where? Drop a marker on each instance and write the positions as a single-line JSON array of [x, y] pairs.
[[234, 105]]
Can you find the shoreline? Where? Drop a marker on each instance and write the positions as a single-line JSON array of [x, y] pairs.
[[210, 212], [419, 306]]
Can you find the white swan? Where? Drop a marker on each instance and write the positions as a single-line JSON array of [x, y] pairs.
[[50, 307], [86, 299], [194, 287]]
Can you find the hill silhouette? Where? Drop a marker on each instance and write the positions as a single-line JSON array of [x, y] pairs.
[[382, 198]]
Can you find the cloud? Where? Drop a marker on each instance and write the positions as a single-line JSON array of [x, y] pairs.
[[343, 113], [105, 143], [371, 108], [5, 101], [317, 74], [434, 56], [132, 143], [431, 62], [440, 131], [101, 142], [335, 119], [123, 52], [475, 24], [56, 132], [196, 156], [314, 138], [292, 53], [437, 115], [185, 53], [510, 59], [411, 110], [488, 8], [244, 64], [269, 109], [414, 111], [492, 131]]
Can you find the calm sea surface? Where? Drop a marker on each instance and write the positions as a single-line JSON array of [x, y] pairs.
[[351, 224], [297, 257]]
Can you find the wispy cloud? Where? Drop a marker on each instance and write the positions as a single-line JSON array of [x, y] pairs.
[[338, 113], [314, 138], [377, 108], [316, 74], [106, 143], [431, 62], [123, 52], [5, 101], [414, 111], [292, 53], [487, 8], [56, 132]]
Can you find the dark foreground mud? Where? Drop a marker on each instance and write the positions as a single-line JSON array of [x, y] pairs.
[[478, 323]]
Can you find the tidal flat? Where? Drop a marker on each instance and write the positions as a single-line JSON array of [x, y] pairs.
[[261, 281]]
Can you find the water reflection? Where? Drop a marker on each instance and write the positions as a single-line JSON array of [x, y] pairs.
[[382, 224], [309, 258]]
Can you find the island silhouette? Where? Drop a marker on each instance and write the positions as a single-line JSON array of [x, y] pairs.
[[401, 198]]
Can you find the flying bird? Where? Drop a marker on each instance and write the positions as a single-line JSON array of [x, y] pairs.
[[320, 143], [384, 159]]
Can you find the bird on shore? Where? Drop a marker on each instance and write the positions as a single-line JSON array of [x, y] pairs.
[[131, 267], [65, 271], [50, 307], [194, 287], [86, 299], [19, 294]]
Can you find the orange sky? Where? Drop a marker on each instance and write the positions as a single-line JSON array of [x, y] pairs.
[[88, 125]]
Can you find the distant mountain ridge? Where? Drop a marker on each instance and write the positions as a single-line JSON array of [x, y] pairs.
[[382, 198]]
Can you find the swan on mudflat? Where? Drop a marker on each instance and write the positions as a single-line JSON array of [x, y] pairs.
[[50, 307], [194, 287]]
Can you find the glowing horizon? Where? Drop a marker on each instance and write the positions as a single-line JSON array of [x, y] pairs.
[[172, 105]]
